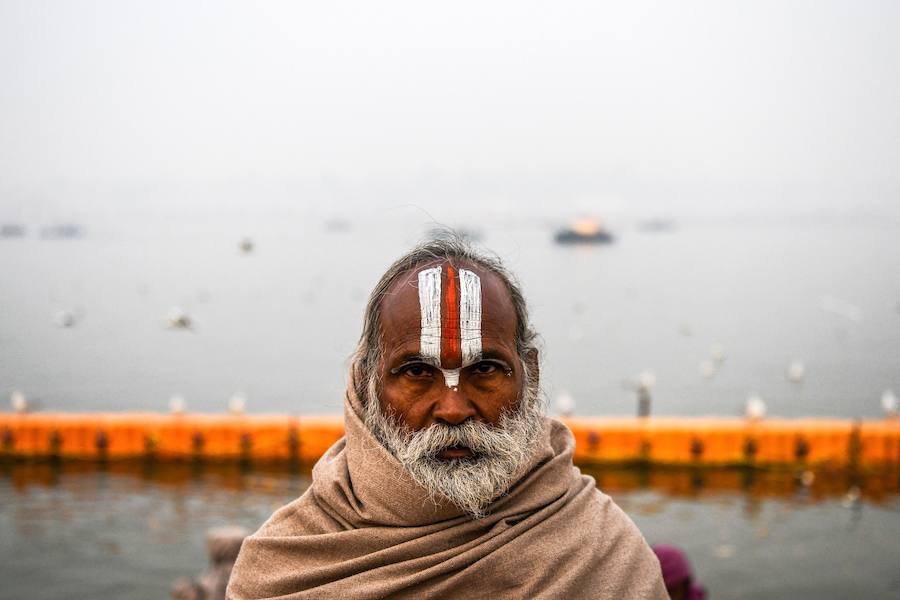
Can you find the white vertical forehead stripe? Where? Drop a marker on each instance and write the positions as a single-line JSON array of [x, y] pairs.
[[430, 309], [470, 316]]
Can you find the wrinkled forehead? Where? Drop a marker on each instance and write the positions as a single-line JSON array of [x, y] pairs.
[[455, 297]]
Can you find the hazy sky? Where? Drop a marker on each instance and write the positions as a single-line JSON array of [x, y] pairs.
[[725, 92]]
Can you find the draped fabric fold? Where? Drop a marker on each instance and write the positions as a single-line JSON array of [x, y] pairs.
[[365, 529]]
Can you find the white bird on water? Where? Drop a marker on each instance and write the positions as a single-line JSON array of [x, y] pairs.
[[64, 318], [796, 371], [237, 403], [755, 409], [19, 401], [565, 404], [178, 318], [889, 403], [177, 404]]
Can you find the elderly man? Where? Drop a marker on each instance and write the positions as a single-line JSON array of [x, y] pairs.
[[449, 481]]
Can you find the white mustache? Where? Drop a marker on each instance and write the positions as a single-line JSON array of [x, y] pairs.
[[478, 437]]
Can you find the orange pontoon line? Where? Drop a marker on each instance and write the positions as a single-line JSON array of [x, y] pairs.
[[657, 440], [731, 441]]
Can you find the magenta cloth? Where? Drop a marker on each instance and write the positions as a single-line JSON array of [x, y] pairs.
[[676, 569]]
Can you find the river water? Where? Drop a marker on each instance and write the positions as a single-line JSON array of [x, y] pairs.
[[128, 531], [278, 324], [738, 299]]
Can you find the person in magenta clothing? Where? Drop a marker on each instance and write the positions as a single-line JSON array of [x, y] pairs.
[[677, 574]]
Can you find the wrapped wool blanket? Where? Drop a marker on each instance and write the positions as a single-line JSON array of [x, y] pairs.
[[365, 529]]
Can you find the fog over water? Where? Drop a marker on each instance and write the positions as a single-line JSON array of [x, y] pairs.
[[695, 93], [334, 136], [279, 323]]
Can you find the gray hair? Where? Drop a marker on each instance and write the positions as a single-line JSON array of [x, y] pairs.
[[450, 246]]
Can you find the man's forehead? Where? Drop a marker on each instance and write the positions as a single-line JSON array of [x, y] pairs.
[[401, 314]]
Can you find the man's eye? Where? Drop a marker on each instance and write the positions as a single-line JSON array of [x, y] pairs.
[[485, 368], [416, 370]]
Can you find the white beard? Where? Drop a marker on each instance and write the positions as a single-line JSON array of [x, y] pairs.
[[470, 483]]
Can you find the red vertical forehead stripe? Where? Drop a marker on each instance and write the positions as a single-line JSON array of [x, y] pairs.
[[451, 352]]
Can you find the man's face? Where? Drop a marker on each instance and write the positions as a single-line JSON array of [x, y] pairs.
[[451, 400], [449, 339]]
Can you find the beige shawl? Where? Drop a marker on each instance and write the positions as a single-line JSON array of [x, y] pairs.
[[365, 529]]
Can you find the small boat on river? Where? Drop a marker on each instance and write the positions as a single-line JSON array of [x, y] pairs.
[[584, 231]]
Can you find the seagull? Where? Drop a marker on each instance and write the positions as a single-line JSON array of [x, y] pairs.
[[178, 318], [565, 404], [64, 318], [707, 369], [755, 409], [237, 403], [177, 404], [19, 401], [889, 403], [796, 371]]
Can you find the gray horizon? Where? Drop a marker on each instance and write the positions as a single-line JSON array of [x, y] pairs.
[[593, 106]]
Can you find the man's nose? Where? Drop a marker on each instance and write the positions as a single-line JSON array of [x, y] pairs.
[[453, 407]]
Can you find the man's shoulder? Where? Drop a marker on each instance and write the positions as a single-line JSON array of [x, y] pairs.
[[292, 519]]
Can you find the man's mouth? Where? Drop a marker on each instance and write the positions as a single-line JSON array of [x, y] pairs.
[[455, 452]]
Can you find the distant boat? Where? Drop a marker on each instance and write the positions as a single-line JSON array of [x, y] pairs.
[[12, 230], [585, 231], [64, 231]]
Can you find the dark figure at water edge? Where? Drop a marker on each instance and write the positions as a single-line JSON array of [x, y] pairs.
[[449, 482], [677, 574]]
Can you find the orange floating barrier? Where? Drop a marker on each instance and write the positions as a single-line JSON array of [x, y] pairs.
[[272, 438], [803, 441], [124, 436], [317, 434], [607, 440], [672, 441], [720, 441], [827, 442], [173, 437], [879, 443], [707, 441]]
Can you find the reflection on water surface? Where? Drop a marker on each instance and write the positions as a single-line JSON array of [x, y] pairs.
[[74, 529]]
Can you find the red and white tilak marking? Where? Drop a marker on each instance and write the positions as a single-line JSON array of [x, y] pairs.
[[450, 309]]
